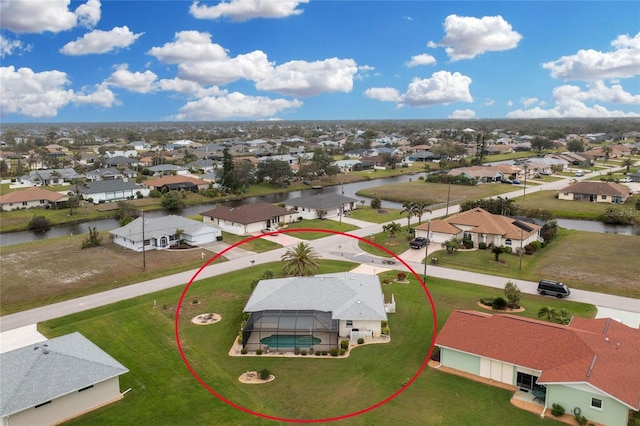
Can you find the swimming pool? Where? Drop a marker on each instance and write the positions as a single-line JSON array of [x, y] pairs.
[[289, 341]]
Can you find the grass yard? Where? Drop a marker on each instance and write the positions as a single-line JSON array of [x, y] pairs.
[[382, 215], [163, 391], [570, 258], [547, 200], [319, 224], [49, 271], [434, 193], [258, 245]]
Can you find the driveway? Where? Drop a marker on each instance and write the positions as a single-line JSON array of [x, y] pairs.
[[285, 240], [234, 253]]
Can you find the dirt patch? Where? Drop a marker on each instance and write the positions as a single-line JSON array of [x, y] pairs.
[[206, 319], [253, 378]]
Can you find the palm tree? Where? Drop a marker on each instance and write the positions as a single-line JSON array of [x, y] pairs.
[[627, 162], [409, 209], [507, 205], [300, 261], [548, 314], [392, 229], [420, 209], [179, 233], [607, 150]]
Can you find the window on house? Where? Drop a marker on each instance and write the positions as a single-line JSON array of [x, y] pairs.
[[349, 323], [467, 236], [507, 242], [24, 203], [596, 403], [565, 194], [603, 197]]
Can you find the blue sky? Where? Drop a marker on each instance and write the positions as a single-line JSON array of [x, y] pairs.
[[105, 61]]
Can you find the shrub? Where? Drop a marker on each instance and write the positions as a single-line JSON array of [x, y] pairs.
[[482, 246], [258, 351], [264, 374], [244, 351], [334, 351], [93, 240], [467, 243], [342, 352], [303, 352], [154, 193], [385, 331], [401, 276], [499, 304], [507, 250], [536, 245], [557, 410], [318, 353], [581, 420], [344, 344], [376, 203], [487, 301], [512, 293], [296, 351], [39, 223], [360, 341], [528, 249], [383, 323], [324, 352]]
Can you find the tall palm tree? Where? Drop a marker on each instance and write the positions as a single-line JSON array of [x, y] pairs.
[[300, 261], [420, 209], [627, 162], [607, 150], [392, 229], [408, 207], [507, 205]]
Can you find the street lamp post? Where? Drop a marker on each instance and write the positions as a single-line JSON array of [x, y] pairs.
[[426, 250]]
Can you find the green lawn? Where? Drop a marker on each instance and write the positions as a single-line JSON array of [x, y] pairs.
[[331, 225], [140, 334], [259, 245], [382, 215]]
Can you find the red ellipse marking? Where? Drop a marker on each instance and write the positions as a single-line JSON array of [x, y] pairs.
[[284, 419]]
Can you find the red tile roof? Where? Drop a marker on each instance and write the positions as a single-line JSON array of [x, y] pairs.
[[156, 183], [31, 194], [601, 352], [600, 188]]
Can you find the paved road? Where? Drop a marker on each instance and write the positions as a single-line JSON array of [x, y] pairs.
[[331, 247]]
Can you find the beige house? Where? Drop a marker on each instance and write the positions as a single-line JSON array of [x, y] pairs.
[[595, 192], [480, 226], [249, 218], [53, 381], [30, 198]]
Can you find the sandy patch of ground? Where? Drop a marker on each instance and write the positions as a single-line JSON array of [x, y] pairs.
[[206, 319], [253, 378]]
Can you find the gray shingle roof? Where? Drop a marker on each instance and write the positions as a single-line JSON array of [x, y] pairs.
[[113, 185], [321, 201], [158, 227], [345, 295], [247, 213], [44, 371]]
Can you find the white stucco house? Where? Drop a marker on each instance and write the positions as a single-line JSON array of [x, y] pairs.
[[309, 207], [160, 232], [111, 190], [313, 312], [248, 219], [33, 197], [49, 382]]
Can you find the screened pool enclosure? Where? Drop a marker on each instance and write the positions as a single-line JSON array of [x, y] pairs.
[[283, 331]]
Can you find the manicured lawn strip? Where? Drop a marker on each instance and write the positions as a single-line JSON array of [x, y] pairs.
[[382, 238], [565, 209], [141, 337], [374, 216], [433, 193], [259, 245], [331, 225]]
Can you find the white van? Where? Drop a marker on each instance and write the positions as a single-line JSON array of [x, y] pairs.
[[579, 173]]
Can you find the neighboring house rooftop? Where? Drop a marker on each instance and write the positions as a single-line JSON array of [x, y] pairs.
[[247, 213], [45, 371], [158, 227], [321, 201], [31, 194], [602, 353], [167, 180], [600, 188], [347, 296], [113, 185]]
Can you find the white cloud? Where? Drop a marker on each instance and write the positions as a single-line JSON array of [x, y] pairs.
[[99, 41], [442, 88], [234, 105], [422, 59], [571, 101], [33, 94], [488, 102], [510, 103], [527, 102], [8, 46], [252, 66], [189, 46], [38, 16], [101, 96], [466, 37], [137, 82], [244, 10], [302, 78], [384, 94], [623, 62], [462, 114]]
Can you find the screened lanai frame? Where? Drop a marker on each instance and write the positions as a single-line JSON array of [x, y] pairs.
[[305, 325]]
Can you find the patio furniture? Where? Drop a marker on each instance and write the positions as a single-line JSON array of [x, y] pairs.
[[539, 393]]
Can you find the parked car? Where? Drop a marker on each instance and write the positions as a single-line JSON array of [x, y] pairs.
[[268, 230], [546, 172], [505, 180], [515, 182], [625, 180], [579, 173], [553, 288], [418, 243]]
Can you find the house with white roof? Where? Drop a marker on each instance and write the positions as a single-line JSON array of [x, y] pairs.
[[313, 312], [49, 382], [160, 232]]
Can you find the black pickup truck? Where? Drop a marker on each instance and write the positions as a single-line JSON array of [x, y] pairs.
[[418, 243]]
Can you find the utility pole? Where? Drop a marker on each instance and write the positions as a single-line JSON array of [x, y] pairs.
[[448, 196], [426, 249], [341, 201], [526, 172], [521, 236]]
